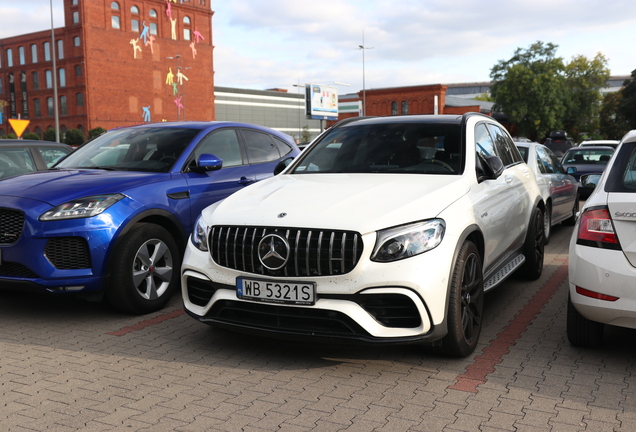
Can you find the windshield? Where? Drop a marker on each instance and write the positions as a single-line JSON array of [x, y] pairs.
[[133, 149], [413, 148]]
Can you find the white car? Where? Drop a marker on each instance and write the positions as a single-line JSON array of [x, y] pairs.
[[383, 230], [558, 189], [602, 258], [609, 143]]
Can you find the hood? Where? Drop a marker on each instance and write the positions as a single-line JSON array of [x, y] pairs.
[[359, 202], [57, 187]]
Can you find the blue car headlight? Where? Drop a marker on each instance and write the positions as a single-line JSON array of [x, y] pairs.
[[408, 240], [82, 207], [199, 237]]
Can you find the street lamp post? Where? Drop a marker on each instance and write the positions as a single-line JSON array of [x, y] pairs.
[[364, 89], [55, 106]]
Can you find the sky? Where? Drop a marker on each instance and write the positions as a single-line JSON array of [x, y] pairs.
[[285, 43]]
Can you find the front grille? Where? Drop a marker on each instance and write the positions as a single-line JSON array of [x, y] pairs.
[[68, 253], [11, 223], [9, 269], [201, 291], [312, 252]]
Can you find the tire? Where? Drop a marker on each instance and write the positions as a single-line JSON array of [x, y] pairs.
[[465, 304], [547, 224], [145, 270], [533, 247], [571, 221], [581, 331]]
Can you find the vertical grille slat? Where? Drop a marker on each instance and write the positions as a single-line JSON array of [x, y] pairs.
[[313, 252]]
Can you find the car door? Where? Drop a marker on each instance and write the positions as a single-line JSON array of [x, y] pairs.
[[498, 203], [209, 187], [563, 188]]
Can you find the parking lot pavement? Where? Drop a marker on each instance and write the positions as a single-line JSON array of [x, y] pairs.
[[67, 365]]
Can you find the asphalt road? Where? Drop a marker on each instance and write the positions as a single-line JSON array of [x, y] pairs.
[[68, 365]]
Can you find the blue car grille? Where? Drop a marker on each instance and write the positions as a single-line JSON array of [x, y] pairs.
[[11, 223], [312, 252], [68, 253]]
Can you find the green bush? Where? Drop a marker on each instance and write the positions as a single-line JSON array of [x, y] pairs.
[[31, 136], [95, 132], [49, 135], [74, 137]]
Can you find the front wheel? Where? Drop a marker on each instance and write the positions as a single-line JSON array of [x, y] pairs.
[[145, 270], [533, 247], [465, 303]]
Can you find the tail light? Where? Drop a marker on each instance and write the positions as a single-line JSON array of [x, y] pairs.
[[597, 230]]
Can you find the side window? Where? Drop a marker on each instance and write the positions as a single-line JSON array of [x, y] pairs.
[[502, 147], [283, 148], [545, 161], [484, 142], [556, 163], [541, 165], [224, 144], [260, 147]]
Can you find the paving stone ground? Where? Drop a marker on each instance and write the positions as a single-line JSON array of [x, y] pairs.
[[67, 365]]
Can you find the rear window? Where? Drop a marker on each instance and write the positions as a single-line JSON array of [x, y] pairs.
[[622, 178]]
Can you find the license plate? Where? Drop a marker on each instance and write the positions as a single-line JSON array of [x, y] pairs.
[[299, 293]]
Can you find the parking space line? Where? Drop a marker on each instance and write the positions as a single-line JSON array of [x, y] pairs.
[[146, 323], [477, 373]]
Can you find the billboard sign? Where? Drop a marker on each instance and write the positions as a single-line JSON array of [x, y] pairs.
[[321, 101]]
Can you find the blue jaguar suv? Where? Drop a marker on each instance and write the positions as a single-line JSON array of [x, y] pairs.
[[113, 218]]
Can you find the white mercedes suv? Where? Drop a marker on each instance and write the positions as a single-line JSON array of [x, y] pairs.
[[383, 230]]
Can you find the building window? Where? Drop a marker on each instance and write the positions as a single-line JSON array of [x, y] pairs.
[[186, 34], [62, 74], [134, 25], [134, 9], [75, 2], [153, 28], [153, 13], [62, 105], [49, 107], [49, 79], [47, 51], [75, 17], [394, 108], [186, 20], [0, 61], [79, 99], [36, 80], [76, 41], [21, 55], [60, 49], [9, 57], [1, 85], [114, 6], [405, 107], [37, 107], [78, 70], [34, 53], [114, 22]]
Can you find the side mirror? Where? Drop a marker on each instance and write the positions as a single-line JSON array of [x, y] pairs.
[[282, 165], [571, 170], [495, 165], [207, 162], [589, 181]]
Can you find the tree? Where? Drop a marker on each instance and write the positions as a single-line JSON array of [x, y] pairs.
[[49, 135], [627, 106], [31, 136], [584, 80], [530, 89], [74, 137], [95, 132]]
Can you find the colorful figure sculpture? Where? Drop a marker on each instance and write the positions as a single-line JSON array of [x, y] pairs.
[[170, 77], [173, 24], [198, 37], [168, 9], [136, 47], [151, 41], [177, 102], [181, 77], [175, 89], [144, 32], [146, 113], [194, 50]]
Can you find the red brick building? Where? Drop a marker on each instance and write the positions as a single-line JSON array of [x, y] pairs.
[[118, 63]]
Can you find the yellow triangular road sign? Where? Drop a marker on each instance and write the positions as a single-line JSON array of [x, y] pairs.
[[18, 126]]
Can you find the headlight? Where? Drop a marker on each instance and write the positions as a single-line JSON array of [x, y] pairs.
[[199, 237], [82, 207], [408, 240]]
